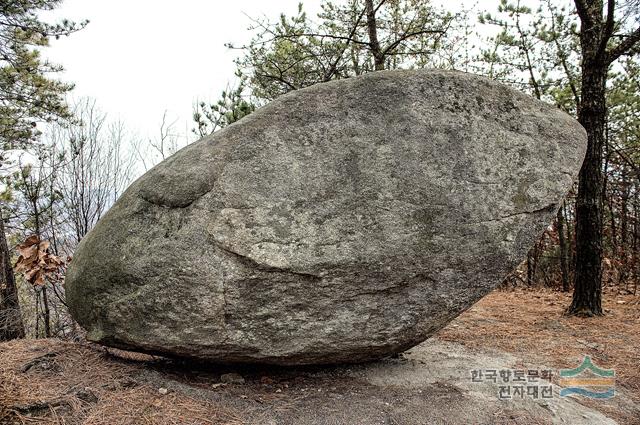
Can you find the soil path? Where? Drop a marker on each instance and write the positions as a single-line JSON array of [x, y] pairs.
[[56, 382]]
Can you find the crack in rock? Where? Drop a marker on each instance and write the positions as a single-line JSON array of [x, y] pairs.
[[264, 267], [545, 209]]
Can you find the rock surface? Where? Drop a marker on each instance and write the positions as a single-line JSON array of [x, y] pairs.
[[340, 223]]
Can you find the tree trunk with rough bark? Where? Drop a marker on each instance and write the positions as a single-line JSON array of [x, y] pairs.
[[599, 50], [564, 269], [47, 313], [374, 43], [11, 326], [587, 292]]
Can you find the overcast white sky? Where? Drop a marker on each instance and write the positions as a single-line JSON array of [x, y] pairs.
[[138, 58]]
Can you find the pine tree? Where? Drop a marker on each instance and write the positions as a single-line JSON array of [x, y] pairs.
[[602, 41], [28, 96], [350, 38]]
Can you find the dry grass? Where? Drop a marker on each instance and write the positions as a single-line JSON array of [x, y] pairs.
[[531, 325], [50, 381]]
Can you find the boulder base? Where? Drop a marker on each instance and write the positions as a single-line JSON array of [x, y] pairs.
[[340, 223]]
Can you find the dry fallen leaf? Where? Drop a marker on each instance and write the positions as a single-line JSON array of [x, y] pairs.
[[37, 264]]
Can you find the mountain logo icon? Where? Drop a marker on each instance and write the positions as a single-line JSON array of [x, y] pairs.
[[588, 380]]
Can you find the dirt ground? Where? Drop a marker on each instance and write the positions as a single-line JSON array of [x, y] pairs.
[[56, 382], [530, 325]]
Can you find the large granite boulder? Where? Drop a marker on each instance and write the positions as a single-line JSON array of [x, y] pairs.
[[340, 223]]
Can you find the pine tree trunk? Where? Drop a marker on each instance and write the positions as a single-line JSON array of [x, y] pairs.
[[634, 239], [564, 270], [47, 313], [587, 293], [570, 241], [608, 200], [11, 326], [624, 229], [374, 43], [532, 263]]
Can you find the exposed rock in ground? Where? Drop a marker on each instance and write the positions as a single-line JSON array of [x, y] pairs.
[[430, 385], [231, 378], [343, 222]]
